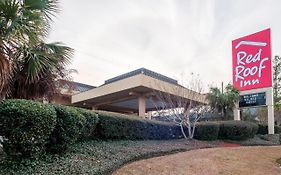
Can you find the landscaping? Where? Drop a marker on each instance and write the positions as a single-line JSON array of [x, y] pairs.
[[48, 121], [100, 157], [54, 139], [30, 127]]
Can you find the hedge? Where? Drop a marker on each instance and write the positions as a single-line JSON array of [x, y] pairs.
[[25, 126], [68, 128], [263, 129], [207, 131], [117, 126], [89, 125], [237, 130]]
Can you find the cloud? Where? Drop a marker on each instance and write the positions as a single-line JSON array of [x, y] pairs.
[[111, 37]]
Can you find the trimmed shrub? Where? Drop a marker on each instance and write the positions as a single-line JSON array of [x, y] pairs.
[[263, 129], [67, 130], [117, 126], [277, 129], [237, 130], [89, 125], [207, 131], [25, 126]]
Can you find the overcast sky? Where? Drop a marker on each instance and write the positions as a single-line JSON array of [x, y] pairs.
[[171, 37]]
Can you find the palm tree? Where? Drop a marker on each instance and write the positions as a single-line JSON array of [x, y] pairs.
[[29, 67], [223, 101], [40, 68]]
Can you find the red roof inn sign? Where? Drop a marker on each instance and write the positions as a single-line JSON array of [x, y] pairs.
[[252, 70], [252, 61]]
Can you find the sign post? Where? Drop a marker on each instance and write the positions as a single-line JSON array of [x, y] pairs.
[[252, 73]]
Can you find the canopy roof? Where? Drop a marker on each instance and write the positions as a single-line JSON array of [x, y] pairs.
[[122, 92]]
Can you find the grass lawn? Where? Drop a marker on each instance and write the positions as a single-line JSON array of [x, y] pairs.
[[101, 157], [255, 160]]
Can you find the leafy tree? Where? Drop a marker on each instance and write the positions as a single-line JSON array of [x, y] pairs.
[[223, 101], [29, 67]]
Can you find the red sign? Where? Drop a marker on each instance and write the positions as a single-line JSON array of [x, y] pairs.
[[251, 60]]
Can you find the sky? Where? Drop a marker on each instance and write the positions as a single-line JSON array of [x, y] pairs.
[[173, 37]]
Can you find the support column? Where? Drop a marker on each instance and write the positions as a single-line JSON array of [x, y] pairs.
[[236, 112], [270, 109], [149, 115], [142, 106]]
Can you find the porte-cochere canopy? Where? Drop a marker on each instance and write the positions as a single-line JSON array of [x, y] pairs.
[[134, 92]]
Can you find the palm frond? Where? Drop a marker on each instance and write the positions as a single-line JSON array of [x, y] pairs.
[[9, 9], [47, 7], [43, 57], [29, 65], [223, 101]]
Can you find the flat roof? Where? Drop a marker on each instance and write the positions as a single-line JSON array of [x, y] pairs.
[[122, 91], [72, 85], [142, 71]]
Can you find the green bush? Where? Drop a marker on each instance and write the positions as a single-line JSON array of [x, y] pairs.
[[207, 131], [89, 125], [263, 129], [237, 130], [25, 126], [67, 130], [118, 126], [277, 129]]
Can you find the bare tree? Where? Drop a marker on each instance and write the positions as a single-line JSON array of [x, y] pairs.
[[183, 106]]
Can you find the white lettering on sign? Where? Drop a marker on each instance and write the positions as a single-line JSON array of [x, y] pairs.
[[243, 58]]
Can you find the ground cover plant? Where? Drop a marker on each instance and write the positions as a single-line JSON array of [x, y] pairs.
[[258, 140], [103, 157], [100, 157]]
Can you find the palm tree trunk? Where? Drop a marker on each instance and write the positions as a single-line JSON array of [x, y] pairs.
[[224, 113], [5, 71]]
